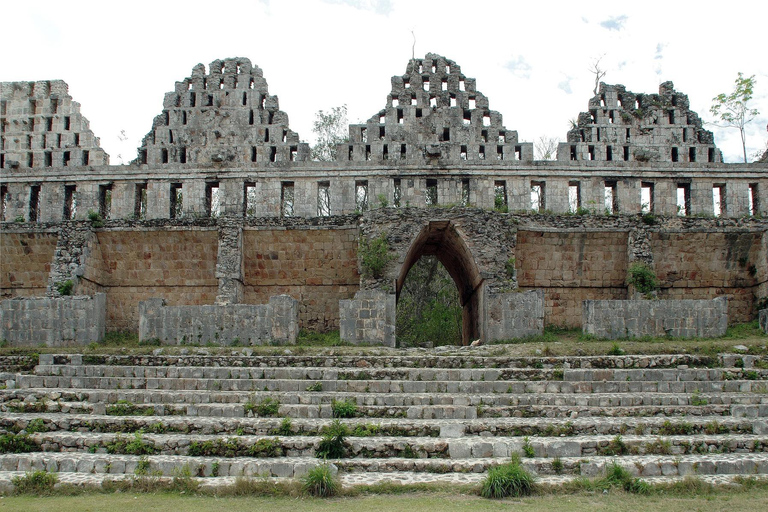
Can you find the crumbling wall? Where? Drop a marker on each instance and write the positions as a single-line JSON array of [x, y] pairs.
[[368, 318], [434, 114], [612, 319], [224, 117], [221, 324], [42, 127], [53, 321], [623, 126]]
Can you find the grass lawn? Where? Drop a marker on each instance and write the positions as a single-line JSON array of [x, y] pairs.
[[614, 501]]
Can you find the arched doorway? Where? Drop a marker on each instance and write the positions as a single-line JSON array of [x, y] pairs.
[[442, 239]]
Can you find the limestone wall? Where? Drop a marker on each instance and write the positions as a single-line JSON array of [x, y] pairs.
[[513, 315], [136, 265], [230, 324], [53, 321], [368, 318], [316, 266], [25, 262], [571, 267], [614, 319]]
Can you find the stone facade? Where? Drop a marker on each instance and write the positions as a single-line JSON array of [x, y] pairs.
[[236, 324], [53, 321], [222, 205], [613, 319]]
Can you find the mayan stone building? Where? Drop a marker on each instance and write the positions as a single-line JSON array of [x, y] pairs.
[[223, 214]]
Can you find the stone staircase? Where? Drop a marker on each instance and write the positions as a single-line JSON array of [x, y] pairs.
[[416, 417]]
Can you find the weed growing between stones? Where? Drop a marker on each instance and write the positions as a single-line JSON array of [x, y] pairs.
[[507, 480], [333, 444], [617, 476], [17, 443], [126, 408], [136, 446], [344, 408], [266, 408], [37, 483], [321, 482], [528, 450]]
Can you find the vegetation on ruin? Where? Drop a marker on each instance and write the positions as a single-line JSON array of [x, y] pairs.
[[428, 310], [374, 256], [65, 287], [642, 277], [330, 129]]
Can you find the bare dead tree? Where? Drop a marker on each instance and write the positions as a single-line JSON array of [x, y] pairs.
[[599, 73], [545, 148]]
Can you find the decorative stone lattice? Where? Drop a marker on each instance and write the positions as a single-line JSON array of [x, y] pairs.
[[225, 116], [41, 126], [625, 126], [434, 113]]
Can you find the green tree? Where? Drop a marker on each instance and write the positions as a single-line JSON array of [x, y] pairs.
[[331, 129], [733, 109]]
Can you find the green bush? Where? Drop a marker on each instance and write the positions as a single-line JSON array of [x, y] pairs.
[[136, 446], [37, 483], [266, 408], [321, 482], [642, 277], [374, 256], [17, 443], [65, 288], [344, 408], [507, 480], [333, 445]]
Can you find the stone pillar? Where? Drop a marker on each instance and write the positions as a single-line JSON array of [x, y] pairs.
[[229, 262], [369, 318], [285, 319], [513, 315]]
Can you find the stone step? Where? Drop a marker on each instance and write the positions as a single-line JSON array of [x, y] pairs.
[[482, 427], [481, 357], [96, 480], [747, 464], [390, 386], [376, 446], [397, 373]]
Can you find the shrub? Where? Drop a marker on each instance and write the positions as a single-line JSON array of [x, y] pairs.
[[528, 450], [642, 277], [65, 287], [507, 480], [17, 443], [268, 407], [321, 482], [37, 483], [285, 428], [333, 445], [344, 408], [374, 256], [617, 476], [126, 408], [137, 446]]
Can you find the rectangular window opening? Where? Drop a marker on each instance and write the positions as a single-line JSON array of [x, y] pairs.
[[538, 203], [646, 197], [105, 201], [177, 201], [34, 203], [718, 199], [3, 202], [183, 155], [465, 192], [481, 153], [67, 123], [626, 153], [249, 199], [591, 150], [48, 159], [574, 197], [164, 156], [499, 152], [294, 153], [140, 201], [446, 134], [402, 151], [397, 192], [273, 154], [324, 199], [430, 195], [463, 153], [609, 153], [500, 200], [212, 201], [711, 155], [361, 195], [253, 153], [385, 152], [675, 155], [691, 154], [754, 200], [611, 198], [65, 157], [684, 199], [286, 199], [70, 202]]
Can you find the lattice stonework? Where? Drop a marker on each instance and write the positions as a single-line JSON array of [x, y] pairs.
[[225, 116], [626, 126], [434, 113], [41, 126]]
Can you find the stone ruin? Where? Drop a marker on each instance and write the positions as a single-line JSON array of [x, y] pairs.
[[224, 212]]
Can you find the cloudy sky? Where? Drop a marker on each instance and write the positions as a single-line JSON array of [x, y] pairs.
[[531, 59]]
